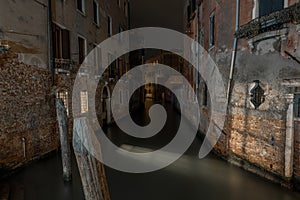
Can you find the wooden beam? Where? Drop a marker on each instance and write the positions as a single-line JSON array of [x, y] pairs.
[[91, 170]]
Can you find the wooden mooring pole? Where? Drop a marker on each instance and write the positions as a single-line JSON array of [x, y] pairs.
[[64, 141]]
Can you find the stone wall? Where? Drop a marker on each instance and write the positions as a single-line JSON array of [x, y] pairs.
[[27, 110], [253, 137], [26, 31]]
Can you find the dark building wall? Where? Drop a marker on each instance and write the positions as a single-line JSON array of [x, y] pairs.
[[27, 95]]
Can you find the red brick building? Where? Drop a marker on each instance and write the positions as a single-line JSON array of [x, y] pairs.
[[255, 45]]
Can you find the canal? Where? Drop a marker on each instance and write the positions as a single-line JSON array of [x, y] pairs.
[[189, 178]]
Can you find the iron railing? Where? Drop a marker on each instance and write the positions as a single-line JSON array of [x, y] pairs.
[[4, 46], [271, 22], [63, 64]]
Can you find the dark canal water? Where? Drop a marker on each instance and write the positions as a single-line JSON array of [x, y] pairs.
[[186, 179]]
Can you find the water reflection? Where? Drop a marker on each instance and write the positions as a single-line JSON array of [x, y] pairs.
[[187, 178]]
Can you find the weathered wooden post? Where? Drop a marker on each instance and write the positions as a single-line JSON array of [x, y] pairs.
[[91, 170], [64, 141]]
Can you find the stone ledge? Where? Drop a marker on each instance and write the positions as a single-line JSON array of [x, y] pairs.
[[275, 178], [10, 171]]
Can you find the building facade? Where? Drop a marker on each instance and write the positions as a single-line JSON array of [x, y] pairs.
[[42, 45], [255, 45]]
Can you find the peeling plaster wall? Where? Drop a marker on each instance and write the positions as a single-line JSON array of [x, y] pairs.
[[258, 135], [26, 31], [254, 139]]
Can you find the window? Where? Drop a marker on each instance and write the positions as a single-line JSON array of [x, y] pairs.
[[268, 6], [97, 59], [61, 42], [191, 9], [109, 26], [212, 30], [188, 13], [193, 5], [117, 72], [64, 96], [81, 6], [84, 101], [121, 97], [121, 65], [120, 31], [113, 71], [81, 49], [126, 8], [297, 105], [95, 12], [205, 94], [202, 37]]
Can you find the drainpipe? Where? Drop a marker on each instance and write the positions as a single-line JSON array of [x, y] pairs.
[[24, 147], [237, 13], [197, 49], [50, 42], [128, 14]]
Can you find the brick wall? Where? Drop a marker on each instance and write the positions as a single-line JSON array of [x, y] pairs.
[[259, 141], [253, 137], [26, 111]]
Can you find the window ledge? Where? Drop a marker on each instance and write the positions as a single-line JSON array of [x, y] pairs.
[[211, 48], [297, 119], [96, 24], [204, 107], [81, 12]]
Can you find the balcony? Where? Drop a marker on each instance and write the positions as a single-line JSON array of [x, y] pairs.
[[4, 46], [63, 65], [272, 22]]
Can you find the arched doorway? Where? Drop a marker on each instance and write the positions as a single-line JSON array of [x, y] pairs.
[[105, 106]]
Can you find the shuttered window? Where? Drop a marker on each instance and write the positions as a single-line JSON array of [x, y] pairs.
[[61, 43]]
